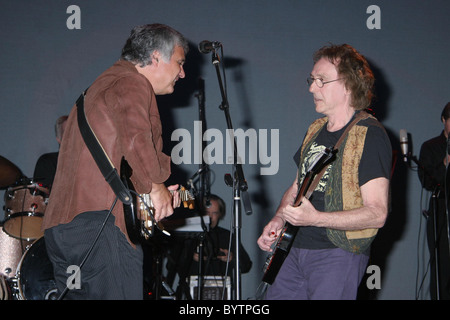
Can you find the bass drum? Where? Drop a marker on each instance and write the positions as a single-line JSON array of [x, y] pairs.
[[11, 251], [35, 274]]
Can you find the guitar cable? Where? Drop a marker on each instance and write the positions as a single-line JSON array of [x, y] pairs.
[[261, 290], [91, 247]]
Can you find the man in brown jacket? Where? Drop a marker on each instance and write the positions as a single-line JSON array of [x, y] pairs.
[[121, 109]]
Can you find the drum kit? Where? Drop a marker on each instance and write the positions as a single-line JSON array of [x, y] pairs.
[[26, 273]]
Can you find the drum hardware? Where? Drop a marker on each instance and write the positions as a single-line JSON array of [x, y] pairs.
[[7, 271], [15, 293], [25, 204]]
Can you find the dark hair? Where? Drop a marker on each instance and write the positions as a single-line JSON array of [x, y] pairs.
[[355, 70], [146, 39], [446, 112]]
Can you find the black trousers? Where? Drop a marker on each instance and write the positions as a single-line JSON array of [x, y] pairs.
[[438, 243], [113, 270]]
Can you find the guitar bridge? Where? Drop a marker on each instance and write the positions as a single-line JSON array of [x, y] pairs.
[[146, 211]]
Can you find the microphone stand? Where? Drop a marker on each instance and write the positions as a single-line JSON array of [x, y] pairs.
[[204, 186], [434, 197], [239, 183]]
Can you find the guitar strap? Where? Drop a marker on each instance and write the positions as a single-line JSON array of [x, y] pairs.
[[360, 116], [98, 153]]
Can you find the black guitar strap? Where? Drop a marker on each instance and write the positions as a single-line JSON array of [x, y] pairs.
[[98, 153]]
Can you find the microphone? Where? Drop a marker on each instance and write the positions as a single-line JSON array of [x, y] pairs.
[[207, 46], [207, 202], [404, 144]]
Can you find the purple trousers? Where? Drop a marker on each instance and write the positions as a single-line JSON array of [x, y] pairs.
[[328, 274]]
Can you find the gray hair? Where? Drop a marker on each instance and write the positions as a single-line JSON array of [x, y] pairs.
[[146, 39], [59, 126]]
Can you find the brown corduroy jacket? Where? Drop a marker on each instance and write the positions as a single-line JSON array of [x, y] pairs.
[[121, 109]]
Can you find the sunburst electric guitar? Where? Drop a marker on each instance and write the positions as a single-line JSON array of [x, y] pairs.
[[139, 215], [286, 237]]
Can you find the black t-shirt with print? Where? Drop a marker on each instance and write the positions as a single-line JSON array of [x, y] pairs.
[[375, 163]]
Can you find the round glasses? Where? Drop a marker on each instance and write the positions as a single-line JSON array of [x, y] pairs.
[[319, 82]]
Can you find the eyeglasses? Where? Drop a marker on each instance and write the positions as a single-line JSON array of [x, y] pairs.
[[319, 82]]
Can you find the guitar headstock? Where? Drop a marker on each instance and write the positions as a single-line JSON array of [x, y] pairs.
[[187, 198], [321, 159]]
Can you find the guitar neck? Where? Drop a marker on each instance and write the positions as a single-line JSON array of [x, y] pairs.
[[317, 167], [302, 192]]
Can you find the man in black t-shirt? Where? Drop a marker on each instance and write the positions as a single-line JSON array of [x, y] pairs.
[[338, 223], [375, 162], [434, 160]]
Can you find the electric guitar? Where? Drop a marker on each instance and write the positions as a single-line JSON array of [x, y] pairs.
[[139, 215], [287, 235]]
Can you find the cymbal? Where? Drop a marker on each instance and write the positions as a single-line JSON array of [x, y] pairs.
[[9, 173]]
